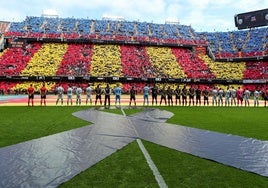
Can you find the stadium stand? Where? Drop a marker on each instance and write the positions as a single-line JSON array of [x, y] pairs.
[[193, 66], [164, 63], [135, 62], [14, 60], [46, 61], [226, 70], [245, 43], [76, 61], [22, 86], [256, 70], [44, 27], [106, 61], [8, 88], [117, 48]]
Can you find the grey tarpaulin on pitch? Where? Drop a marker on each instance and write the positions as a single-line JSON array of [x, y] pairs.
[[52, 160], [240, 152]]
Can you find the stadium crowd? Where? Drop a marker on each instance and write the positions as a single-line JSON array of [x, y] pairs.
[[138, 61], [44, 27], [244, 43], [50, 59]]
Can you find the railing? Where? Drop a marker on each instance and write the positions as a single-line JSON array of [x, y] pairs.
[[2, 42], [210, 53]]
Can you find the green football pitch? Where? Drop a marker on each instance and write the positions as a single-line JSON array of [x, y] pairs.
[[128, 167]]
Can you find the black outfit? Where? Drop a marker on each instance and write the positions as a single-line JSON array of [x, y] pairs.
[[198, 96], [107, 98], [178, 95], [206, 93], [184, 96], [98, 93], [154, 95], [163, 96], [132, 94], [169, 96]]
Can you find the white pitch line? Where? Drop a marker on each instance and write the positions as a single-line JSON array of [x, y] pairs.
[[160, 180], [123, 112]]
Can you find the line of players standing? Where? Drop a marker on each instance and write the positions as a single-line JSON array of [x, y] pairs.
[[181, 95], [98, 91], [220, 97], [192, 96]]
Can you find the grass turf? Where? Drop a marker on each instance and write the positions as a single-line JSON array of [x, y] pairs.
[[183, 170], [127, 167], [247, 122], [19, 124]]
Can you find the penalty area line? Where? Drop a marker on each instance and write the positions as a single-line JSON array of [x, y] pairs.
[[160, 180]]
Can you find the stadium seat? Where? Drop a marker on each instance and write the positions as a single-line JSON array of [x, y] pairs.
[[229, 44]]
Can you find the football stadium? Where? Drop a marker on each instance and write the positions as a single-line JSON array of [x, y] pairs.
[[115, 103]]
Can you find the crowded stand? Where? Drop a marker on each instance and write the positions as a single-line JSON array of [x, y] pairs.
[[162, 52], [8, 88], [106, 61], [226, 70], [255, 70], [246, 43], [102, 29], [164, 63], [76, 61], [21, 88], [14, 60], [135, 62], [193, 66], [46, 61]]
